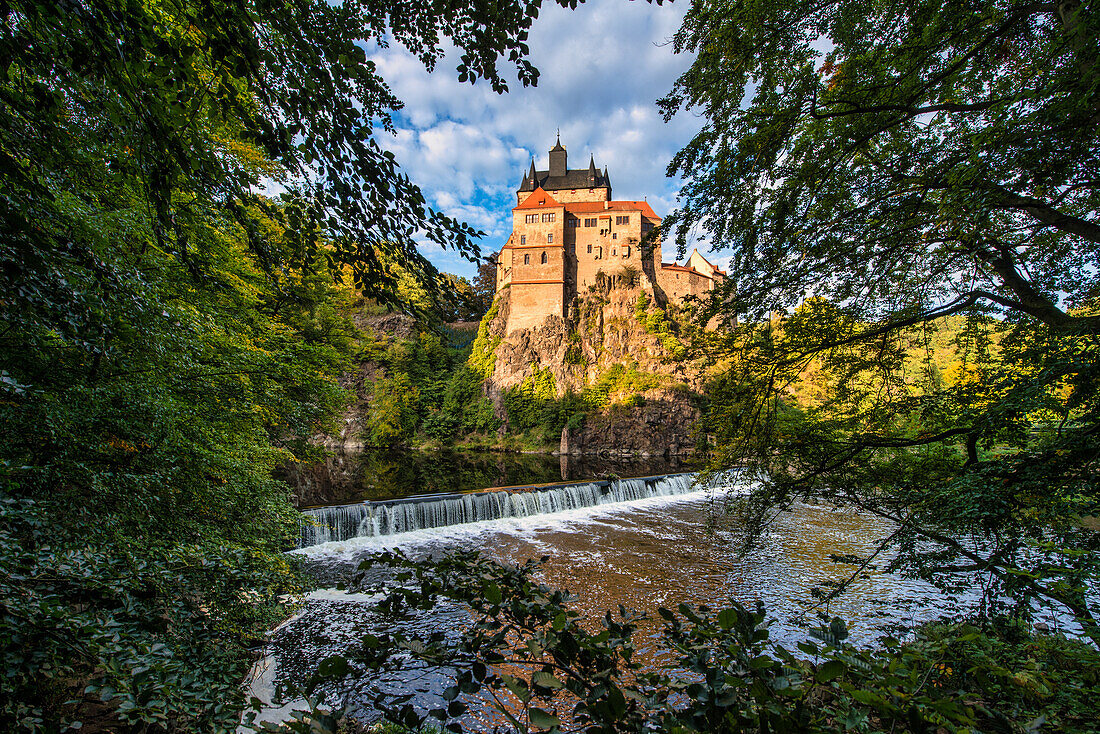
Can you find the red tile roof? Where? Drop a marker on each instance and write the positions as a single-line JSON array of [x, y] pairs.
[[538, 199], [684, 268], [587, 207]]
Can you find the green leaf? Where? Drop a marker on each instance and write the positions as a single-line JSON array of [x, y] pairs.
[[829, 670], [543, 719], [546, 680], [727, 618], [492, 593]]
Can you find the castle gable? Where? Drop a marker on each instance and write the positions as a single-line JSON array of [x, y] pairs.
[[579, 178], [538, 199]]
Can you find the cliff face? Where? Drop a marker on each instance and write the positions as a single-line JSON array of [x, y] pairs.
[[605, 343]]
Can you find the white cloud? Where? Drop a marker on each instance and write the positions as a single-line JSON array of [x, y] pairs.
[[602, 67]]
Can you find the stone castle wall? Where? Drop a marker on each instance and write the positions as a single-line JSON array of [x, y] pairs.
[[563, 240]]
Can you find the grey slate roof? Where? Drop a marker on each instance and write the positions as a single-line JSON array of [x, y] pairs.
[[579, 178]]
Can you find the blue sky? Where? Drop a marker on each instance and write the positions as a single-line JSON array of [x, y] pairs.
[[603, 66]]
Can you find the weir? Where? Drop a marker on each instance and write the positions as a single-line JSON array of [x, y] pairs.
[[389, 517]]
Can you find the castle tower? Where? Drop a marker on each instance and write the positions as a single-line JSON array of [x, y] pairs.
[[563, 184], [558, 158]]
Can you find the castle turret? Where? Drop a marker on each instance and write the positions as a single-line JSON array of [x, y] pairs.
[[558, 165], [566, 185]]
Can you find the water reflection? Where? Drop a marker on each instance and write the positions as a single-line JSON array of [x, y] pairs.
[[376, 474]]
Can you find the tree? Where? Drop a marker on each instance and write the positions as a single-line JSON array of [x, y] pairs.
[[903, 162], [183, 183]]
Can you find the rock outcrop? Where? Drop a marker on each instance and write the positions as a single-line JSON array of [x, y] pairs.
[[604, 331]]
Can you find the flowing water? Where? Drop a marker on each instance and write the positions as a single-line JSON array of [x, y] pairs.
[[643, 543]]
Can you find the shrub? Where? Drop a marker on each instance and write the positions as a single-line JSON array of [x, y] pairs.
[[483, 356]]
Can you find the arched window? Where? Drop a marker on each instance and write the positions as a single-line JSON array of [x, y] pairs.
[[526, 259], [544, 258]]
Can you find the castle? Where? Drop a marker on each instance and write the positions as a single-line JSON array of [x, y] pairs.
[[567, 230]]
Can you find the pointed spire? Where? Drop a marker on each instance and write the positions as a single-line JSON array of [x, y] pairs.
[[530, 179], [592, 172], [606, 178], [557, 143]]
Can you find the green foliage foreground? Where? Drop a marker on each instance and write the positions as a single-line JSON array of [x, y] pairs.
[[533, 664]]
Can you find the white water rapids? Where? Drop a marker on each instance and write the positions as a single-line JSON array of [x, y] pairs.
[[374, 519]]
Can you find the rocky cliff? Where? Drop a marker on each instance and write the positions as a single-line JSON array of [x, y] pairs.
[[617, 340]]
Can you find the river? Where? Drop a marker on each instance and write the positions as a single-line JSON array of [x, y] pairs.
[[640, 543]]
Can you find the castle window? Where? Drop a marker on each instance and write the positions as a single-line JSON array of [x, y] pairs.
[[544, 258], [590, 249], [523, 239], [531, 218], [590, 222], [548, 217], [646, 226], [626, 251], [622, 220], [550, 239], [573, 222], [613, 251], [526, 259], [615, 236]]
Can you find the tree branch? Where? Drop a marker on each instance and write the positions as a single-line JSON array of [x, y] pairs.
[[1047, 214]]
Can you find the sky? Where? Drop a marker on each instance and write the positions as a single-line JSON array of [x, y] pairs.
[[603, 66]]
